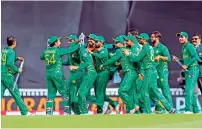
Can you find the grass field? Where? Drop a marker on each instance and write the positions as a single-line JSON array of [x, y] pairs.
[[104, 121]]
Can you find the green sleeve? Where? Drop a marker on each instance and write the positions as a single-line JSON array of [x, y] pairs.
[[193, 55], [16, 59], [166, 53], [86, 60], [11, 60], [64, 51], [137, 58], [114, 58], [42, 55], [101, 55]]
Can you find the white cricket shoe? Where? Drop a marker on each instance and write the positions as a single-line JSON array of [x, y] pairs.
[[134, 110], [188, 112], [30, 114]]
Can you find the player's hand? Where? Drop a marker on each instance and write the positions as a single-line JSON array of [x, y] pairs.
[[20, 70], [121, 72], [126, 52], [157, 58], [141, 77], [184, 67], [89, 51], [73, 67], [20, 58]]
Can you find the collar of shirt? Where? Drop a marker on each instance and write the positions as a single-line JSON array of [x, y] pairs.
[[198, 45]]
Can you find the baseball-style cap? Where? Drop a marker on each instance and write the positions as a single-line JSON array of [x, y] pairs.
[[119, 39], [185, 34], [52, 39], [132, 38], [100, 38], [93, 36], [143, 36], [73, 37]]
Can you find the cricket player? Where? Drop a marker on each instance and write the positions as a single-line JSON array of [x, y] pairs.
[[89, 78], [161, 58], [130, 75], [190, 61], [8, 72], [55, 80], [196, 40], [103, 75], [75, 76], [147, 73]]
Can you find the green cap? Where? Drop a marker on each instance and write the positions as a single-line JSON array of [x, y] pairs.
[[73, 37], [52, 39], [93, 36], [100, 38], [143, 36], [119, 39], [183, 34], [132, 38]]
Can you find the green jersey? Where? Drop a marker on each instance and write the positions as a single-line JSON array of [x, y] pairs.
[[126, 64], [145, 56], [190, 56], [101, 56], [161, 50], [8, 59], [53, 57], [86, 60]]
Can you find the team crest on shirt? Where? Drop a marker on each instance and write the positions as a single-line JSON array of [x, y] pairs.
[[85, 54]]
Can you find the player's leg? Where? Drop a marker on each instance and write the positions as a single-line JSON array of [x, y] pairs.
[[16, 95], [51, 95], [125, 86], [3, 88], [190, 97], [84, 89], [61, 86], [163, 84]]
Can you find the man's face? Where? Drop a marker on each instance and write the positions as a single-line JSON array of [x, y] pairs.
[[91, 43], [58, 43], [153, 38], [141, 41], [196, 40], [119, 45], [98, 44], [14, 44], [90, 39], [129, 43], [182, 39], [69, 41]]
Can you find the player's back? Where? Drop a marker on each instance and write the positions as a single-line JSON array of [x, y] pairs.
[[53, 61]]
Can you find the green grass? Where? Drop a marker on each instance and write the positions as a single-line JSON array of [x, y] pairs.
[[104, 121]]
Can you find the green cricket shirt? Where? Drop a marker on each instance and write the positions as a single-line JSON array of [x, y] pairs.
[[190, 56], [53, 57], [8, 59], [161, 50]]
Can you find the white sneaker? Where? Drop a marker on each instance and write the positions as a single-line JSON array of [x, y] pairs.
[[30, 114], [105, 107], [134, 110], [118, 109], [187, 112]]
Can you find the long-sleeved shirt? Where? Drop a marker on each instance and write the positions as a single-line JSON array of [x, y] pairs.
[[126, 64], [101, 56], [190, 57], [86, 60], [145, 56], [8, 58], [161, 50], [53, 57]]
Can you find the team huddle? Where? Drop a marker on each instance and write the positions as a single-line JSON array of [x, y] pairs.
[[141, 59]]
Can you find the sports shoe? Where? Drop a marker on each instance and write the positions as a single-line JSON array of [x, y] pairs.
[[30, 114], [134, 110], [172, 111], [105, 107]]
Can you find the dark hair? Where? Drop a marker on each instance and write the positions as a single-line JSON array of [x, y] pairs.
[[10, 40], [197, 34], [157, 34], [53, 44], [133, 31]]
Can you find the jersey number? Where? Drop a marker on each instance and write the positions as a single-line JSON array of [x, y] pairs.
[[3, 58], [50, 59]]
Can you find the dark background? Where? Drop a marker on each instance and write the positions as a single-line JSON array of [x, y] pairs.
[[33, 22]]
